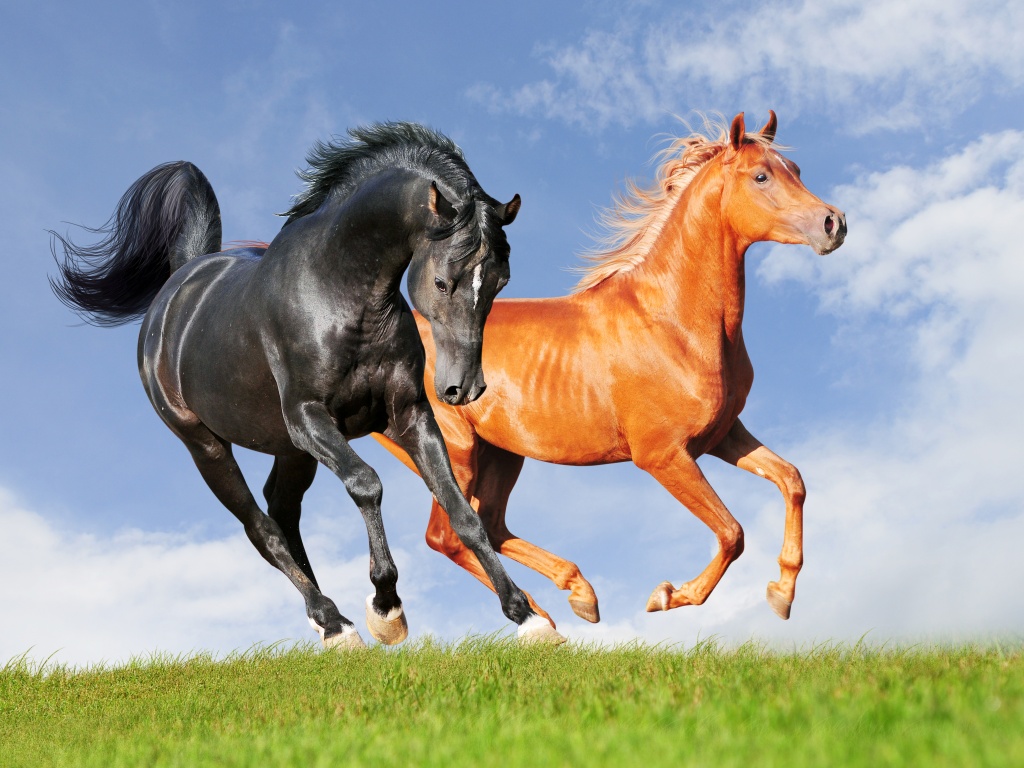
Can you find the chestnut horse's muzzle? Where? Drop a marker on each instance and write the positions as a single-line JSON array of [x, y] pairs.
[[830, 233]]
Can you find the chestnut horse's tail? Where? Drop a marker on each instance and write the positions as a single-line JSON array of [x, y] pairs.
[[167, 217]]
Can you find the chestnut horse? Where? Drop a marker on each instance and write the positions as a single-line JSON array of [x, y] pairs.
[[645, 362]]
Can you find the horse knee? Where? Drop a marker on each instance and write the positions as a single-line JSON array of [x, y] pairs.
[[793, 484]]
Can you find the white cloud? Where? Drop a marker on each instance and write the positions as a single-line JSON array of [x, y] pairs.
[[876, 65], [88, 598]]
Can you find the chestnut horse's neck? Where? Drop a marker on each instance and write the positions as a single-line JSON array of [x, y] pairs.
[[693, 274]]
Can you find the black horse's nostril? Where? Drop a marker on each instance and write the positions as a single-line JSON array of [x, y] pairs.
[[453, 392], [829, 224]]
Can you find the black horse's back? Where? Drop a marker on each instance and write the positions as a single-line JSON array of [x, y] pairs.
[[168, 216]]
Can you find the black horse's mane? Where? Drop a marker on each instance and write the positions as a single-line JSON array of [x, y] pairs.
[[339, 165]]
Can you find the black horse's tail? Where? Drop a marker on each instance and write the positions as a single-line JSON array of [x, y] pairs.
[[167, 217]]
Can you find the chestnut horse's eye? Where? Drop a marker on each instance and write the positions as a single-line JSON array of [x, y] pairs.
[[761, 178], [441, 285]]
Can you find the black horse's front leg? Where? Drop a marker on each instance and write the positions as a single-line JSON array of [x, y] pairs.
[[416, 431], [313, 430]]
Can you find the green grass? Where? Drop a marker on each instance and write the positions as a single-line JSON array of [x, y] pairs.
[[487, 702]]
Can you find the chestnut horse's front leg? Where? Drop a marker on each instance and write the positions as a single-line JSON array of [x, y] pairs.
[[678, 472], [747, 452]]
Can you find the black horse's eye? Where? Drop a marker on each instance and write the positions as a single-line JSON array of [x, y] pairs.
[[441, 285], [761, 178]]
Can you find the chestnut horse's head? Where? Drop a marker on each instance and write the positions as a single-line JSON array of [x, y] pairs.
[[764, 199]]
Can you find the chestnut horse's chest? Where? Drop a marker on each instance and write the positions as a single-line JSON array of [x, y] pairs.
[[714, 397]]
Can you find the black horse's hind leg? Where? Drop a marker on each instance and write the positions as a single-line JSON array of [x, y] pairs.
[[288, 482], [217, 465], [313, 430]]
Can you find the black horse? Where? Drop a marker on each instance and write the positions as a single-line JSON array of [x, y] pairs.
[[291, 349]]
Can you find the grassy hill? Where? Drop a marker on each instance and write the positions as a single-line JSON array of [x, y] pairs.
[[489, 702]]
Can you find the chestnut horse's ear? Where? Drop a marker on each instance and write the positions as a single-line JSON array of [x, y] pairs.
[[438, 205], [769, 128], [737, 131], [507, 212]]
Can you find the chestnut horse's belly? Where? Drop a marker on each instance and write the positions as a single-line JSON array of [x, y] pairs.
[[552, 413], [563, 435]]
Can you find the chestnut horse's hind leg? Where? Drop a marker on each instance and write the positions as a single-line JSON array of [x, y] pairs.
[[415, 430], [678, 472], [440, 535], [745, 451], [496, 475], [288, 482], [215, 462]]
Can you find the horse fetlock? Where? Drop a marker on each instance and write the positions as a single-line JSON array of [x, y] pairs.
[[791, 566], [661, 597], [389, 628]]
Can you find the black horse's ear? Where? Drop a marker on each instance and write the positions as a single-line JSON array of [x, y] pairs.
[[769, 128], [737, 131], [507, 212], [438, 205]]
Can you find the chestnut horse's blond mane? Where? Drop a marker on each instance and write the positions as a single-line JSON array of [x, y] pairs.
[[638, 215]]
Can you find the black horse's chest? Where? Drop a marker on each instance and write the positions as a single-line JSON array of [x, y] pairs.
[[359, 399], [360, 417]]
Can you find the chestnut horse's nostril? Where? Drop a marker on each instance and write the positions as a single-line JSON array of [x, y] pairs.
[[829, 224]]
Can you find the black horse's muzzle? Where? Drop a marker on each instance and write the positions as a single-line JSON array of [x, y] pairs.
[[455, 390]]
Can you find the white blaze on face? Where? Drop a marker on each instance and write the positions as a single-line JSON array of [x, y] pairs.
[[478, 281]]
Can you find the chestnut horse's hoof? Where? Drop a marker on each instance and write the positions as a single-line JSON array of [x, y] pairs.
[[661, 597], [537, 630], [778, 603], [586, 611], [390, 629]]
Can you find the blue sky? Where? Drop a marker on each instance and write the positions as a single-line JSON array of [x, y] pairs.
[[889, 372]]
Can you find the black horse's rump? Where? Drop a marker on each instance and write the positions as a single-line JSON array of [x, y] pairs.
[[294, 348]]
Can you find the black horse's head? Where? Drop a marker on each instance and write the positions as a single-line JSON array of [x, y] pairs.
[[457, 269]]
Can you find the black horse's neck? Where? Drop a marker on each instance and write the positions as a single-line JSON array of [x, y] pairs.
[[370, 240]]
